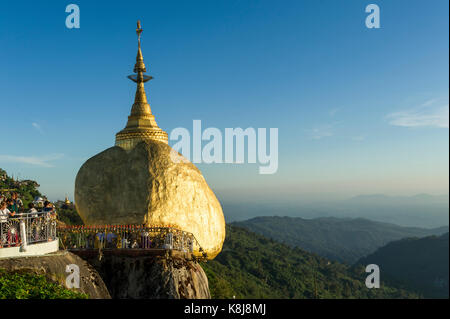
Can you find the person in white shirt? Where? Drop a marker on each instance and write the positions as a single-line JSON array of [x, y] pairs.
[[4, 212]]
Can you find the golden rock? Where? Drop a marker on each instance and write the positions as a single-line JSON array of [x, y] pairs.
[[142, 180], [145, 186]]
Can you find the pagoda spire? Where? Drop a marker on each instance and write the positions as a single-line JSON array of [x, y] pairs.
[[140, 69], [141, 123]]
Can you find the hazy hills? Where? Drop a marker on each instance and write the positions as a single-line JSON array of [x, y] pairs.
[[419, 263], [399, 200], [421, 210], [341, 239], [252, 266]]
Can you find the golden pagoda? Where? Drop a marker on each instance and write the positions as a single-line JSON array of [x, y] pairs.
[[141, 124], [137, 182]]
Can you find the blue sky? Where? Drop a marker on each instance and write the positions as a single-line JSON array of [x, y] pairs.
[[358, 110]]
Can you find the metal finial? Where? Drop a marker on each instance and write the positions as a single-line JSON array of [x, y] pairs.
[[139, 67], [139, 31]]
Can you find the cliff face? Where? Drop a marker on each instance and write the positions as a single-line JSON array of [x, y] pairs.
[[53, 266], [151, 277], [121, 276]]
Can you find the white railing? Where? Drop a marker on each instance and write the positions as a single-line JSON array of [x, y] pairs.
[[27, 229]]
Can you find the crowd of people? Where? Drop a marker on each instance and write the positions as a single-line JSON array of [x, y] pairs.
[[9, 207], [12, 211], [12, 207]]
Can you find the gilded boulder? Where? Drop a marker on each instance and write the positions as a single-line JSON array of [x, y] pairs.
[[145, 185]]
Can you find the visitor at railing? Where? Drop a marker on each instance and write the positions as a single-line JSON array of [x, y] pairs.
[[9, 234], [32, 210], [13, 201], [15, 204], [145, 239], [50, 209], [39, 227], [12, 207], [4, 212]]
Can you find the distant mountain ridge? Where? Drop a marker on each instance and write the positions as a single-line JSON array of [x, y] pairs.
[[341, 239], [423, 198], [420, 263], [420, 210]]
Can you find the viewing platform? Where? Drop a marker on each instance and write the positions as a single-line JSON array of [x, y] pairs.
[[28, 234], [35, 234], [130, 240]]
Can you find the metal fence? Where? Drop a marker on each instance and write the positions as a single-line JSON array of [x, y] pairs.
[[41, 227], [37, 227], [128, 236]]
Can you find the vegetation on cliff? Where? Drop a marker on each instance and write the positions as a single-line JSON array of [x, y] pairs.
[[25, 285], [27, 189], [69, 216]]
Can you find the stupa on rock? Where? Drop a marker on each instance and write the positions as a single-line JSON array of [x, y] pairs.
[[138, 182]]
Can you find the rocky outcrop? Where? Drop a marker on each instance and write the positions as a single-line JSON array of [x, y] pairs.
[[53, 266], [151, 184], [152, 277]]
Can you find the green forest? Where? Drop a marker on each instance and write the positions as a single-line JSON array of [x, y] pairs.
[[27, 189], [334, 238], [420, 264], [252, 266]]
